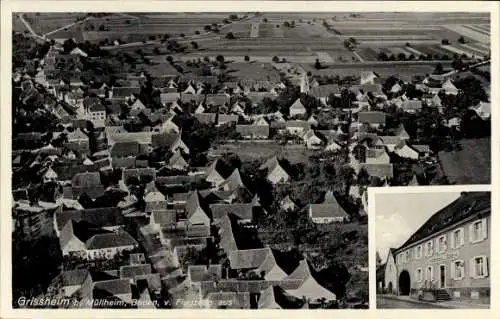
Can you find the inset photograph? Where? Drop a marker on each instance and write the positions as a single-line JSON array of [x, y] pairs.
[[433, 248]]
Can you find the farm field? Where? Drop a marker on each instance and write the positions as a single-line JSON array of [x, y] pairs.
[[43, 23]]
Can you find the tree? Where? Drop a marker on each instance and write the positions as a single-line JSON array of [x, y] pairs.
[[382, 56], [317, 65], [197, 32], [220, 58], [408, 44], [461, 39], [276, 59], [445, 42], [170, 59], [378, 260], [401, 56], [264, 20], [207, 27], [230, 36], [247, 58], [438, 69], [194, 44]]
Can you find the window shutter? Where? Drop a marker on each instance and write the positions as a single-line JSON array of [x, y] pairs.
[[472, 268], [462, 236], [486, 266], [484, 229], [471, 233], [445, 243], [432, 273], [452, 270], [437, 245], [431, 250], [453, 240]]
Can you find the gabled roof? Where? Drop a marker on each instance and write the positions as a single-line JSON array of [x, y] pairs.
[[248, 258], [253, 130], [309, 288], [467, 205], [108, 240], [165, 217], [206, 118], [102, 217], [87, 179], [379, 170], [234, 181], [298, 123], [372, 117], [241, 210], [297, 105], [227, 240], [216, 99], [164, 139], [390, 140], [126, 149], [112, 287], [73, 277], [324, 90], [132, 271], [178, 160], [192, 203], [412, 105], [227, 118], [327, 210]]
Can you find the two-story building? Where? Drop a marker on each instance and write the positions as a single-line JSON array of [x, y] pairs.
[[448, 256]]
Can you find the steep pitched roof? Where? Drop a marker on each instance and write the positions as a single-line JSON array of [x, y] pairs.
[[297, 105], [127, 148], [467, 205], [234, 181], [248, 258], [113, 239], [243, 211], [73, 277], [102, 217], [372, 117], [88, 179], [327, 210]]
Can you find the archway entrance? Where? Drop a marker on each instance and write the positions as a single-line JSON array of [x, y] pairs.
[[389, 288], [404, 283]]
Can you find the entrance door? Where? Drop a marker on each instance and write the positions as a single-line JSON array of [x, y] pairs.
[[404, 283], [442, 276]]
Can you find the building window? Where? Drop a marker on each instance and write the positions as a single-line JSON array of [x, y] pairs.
[[429, 274], [418, 252], [457, 269], [429, 248], [457, 238], [442, 244], [418, 275], [479, 267], [477, 231]]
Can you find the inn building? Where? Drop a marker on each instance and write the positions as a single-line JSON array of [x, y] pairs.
[[448, 257]]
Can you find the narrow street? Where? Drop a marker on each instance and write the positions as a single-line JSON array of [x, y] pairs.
[[391, 303]]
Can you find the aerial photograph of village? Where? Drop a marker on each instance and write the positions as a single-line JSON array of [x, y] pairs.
[[221, 160]]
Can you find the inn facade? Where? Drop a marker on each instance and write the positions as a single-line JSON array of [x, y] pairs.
[[448, 258]]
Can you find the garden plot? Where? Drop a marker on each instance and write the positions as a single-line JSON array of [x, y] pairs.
[[457, 50], [368, 54], [268, 30], [414, 51], [477, 36]]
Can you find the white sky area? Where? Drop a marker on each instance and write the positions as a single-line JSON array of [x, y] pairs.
[[398, 216]]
